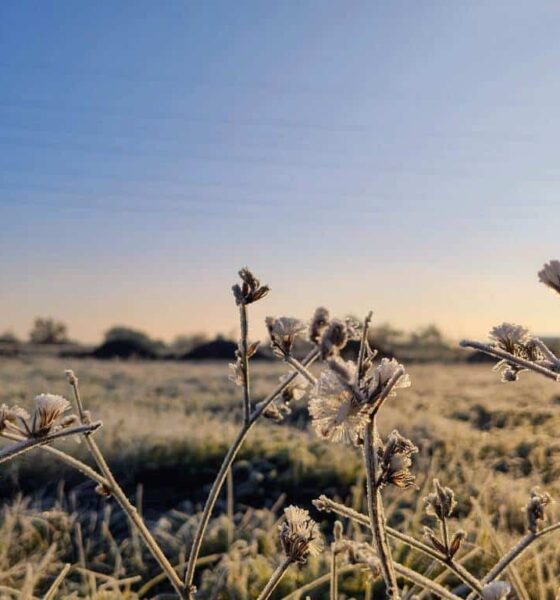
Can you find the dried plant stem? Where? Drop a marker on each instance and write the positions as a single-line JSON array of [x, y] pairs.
[[9, 452], [510, 358], [125, 503], [334, 574], [68, 459], [226, 464], [297, 366], [514, 553], [275, 579], [327, 504], [375, 509], [363, 341], [244, 326], [230, 506], [378, 403], [546, 351], [318, 582], [56, 583], [425, 583]]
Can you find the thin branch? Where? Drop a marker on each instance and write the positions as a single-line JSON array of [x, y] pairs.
[[275, 579], [297, 366], [318, 582], [375, 509], [9, 452], [56, 583], [364, 341], [387, 390], [424, 582], [232, 452], [510, 358], [334, 574], [244, 323]]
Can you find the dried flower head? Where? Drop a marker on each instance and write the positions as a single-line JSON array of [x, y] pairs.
[[71, 377], [535, 509], [9, 415], [395, 459], [381, 375], [283, 332], [318, 324], [48, 409], [509, 337], [497, 590], [550, 275], [441, 502], [250, 289], [299, 535], [334, 338], [338, 415], [295, 390]]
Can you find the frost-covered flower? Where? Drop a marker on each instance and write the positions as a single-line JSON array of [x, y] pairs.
[[283, 332], [336, 336], [295, 390], [382, 374], [497, 590], [48, 408], [250, 289], [535, 509], [441, 502], [10, 415], [300, 535], [319, 323], [509, 337], [338, 415], [550, 275], [396, 461]]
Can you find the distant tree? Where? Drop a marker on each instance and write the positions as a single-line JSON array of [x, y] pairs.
[[8, 337], [185, 343], [48, 331], [429, 335], [127, 334]]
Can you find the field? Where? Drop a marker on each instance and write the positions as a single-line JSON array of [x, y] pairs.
[[167, 427]]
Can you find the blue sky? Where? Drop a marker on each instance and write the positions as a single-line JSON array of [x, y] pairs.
[[399, 156]]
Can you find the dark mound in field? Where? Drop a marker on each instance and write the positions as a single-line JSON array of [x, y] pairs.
[[214, 350], [123, 349]]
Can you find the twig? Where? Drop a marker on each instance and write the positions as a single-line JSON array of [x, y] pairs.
[[296, 365], [364, 341], [318, 582], [244, 323], [27, 444], [375, 509], [424, 582], [226, 464], [56, 583], [334, 574], [275, 579], [510, 358]]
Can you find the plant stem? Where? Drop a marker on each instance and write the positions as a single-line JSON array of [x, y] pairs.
[[326, 504], [244, 325], [56, 583], [226, 464], [9, 452], [375, 509], [296, 594], [364, 341], [275, 579], [297, 366], [424, 582], [334, 574], [510, 358], [125, 503]]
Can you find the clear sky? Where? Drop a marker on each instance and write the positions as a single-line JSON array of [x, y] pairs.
[[399, 156]]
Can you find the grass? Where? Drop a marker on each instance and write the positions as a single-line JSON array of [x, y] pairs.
[[167, 427]]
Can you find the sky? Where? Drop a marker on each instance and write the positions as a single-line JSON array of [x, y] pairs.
[[394, 156]]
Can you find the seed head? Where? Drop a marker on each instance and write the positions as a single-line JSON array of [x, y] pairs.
[[497, 590], [71, 377], [380, 376], [509, 337], [334, 338], [396, 460], [250, 289], [299, 535], [48, 408], [319, 323], [10, 415], [535, 509], [550, 275], [441, 502], [283, 332], [338, 415]]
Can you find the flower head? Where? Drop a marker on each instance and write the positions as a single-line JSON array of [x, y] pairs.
[[361, 553], [48, 409], [10, 415], [396, 461], [441, 502], [535, 509], [283, 332], [497, 590], [319, 323], [550, 275], [509, 337], [300, 535], [338, 415], [382, 374], [250, 289]]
